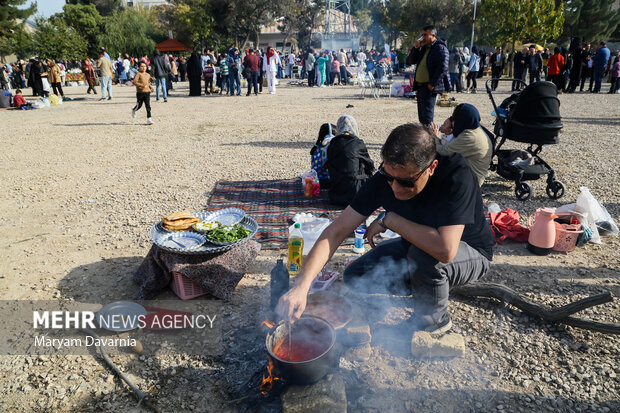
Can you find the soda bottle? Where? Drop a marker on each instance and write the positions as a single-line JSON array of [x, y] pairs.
[[308, 187], [295, 250], [279, 282]]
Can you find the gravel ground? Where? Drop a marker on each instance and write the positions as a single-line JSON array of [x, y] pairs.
[[82, 183]]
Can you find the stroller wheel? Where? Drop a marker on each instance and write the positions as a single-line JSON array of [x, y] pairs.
[[523, 191], [555, 189]]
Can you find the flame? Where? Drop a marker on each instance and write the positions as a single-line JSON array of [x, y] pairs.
[[267, 323], [268, 381]]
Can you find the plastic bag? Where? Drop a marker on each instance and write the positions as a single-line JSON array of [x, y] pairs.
[[311, 173], [597, 219]]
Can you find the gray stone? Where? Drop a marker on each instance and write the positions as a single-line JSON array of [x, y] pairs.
[[326, 396], [425, 345]]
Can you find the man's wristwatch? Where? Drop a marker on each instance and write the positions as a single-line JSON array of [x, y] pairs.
[[381, 219]]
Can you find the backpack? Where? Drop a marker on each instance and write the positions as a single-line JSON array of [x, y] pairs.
[[349, 167], [318, 157]]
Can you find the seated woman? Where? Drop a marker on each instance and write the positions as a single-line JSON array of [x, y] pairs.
[[469, 139]]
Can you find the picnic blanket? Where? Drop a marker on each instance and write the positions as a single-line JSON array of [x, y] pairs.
[[272, 204]]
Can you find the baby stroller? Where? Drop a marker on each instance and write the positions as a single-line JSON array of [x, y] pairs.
[[531, 116]]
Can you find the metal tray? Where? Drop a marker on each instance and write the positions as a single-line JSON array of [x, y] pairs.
[[155, 232]]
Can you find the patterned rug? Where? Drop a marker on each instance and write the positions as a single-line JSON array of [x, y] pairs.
[[272, 204]]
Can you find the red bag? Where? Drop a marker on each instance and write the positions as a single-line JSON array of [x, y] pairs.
[[506, 224]]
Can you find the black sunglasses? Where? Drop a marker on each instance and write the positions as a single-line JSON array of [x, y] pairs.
[[407, 183]]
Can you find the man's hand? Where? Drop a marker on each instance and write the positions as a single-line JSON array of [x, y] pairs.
[[431, 87], [374, 229], [292, 304]]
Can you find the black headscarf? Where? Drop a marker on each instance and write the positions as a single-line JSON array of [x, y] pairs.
[[465, 116]]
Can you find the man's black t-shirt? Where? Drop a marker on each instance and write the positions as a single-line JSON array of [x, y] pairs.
[[451, 197]]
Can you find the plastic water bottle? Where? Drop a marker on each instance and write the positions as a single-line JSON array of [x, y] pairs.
[[358, 247], [295, 250], [279, 282]]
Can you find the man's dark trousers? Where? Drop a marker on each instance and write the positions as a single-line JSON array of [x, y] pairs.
[[426, 104], [534, 76], [518, 75], [396, 268], [497, 73], [312, 77], [253, 81]]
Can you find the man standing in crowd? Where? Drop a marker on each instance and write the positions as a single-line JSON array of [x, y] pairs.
[[311, 68], [497, 62], [586, 66], [520, 65], [342, 58], [431, 56], [291, 64], [105, 65], [252, 62], [534, 64], [159, 70], [599, 64], [575, 68]]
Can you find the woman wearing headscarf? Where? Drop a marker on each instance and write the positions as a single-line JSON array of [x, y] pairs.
[[464, 135], [194, 73], [53, 76], [348, 162], [89, 75], [271, 60]]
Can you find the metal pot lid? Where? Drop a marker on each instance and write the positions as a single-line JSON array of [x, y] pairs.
[[120, 316]]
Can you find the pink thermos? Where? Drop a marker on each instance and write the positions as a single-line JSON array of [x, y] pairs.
[[542, 233]]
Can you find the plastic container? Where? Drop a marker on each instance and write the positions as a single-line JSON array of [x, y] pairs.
[[358, 247], [311, 229], [566, 236], [295, 250], [279, 282], [185, 288], [323, 279]]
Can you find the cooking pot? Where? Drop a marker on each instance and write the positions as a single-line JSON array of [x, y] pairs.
[[316, 333]]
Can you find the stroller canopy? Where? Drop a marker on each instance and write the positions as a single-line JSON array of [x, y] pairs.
[[536, 116]]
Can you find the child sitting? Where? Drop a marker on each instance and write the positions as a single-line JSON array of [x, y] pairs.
[[19, 101]]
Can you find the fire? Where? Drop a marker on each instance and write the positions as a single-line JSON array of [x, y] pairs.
[[267, 323], [268, 381]]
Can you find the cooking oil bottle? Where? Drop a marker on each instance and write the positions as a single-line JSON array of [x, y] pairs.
[[295, 250]]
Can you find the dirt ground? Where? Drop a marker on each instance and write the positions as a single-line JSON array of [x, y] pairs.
[[83, 182]]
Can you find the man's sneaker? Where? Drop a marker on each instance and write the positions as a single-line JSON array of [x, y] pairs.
[[165, 100], [133, 113], [149, 121], [109, 97], [442, 326]]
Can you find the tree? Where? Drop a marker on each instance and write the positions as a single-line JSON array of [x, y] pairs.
[[104, 7], [12, 23], [593, 20], [503, 21], [86, 20], [128, 31], [55, 40], [300, 17], [452, 18]]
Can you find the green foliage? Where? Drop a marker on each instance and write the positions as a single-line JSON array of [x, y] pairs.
[[104, 7], [86, 20], [300, 17], [452, 18], [55, 40], [592, 20], [127, 31], [13, 39], [503, 21]]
